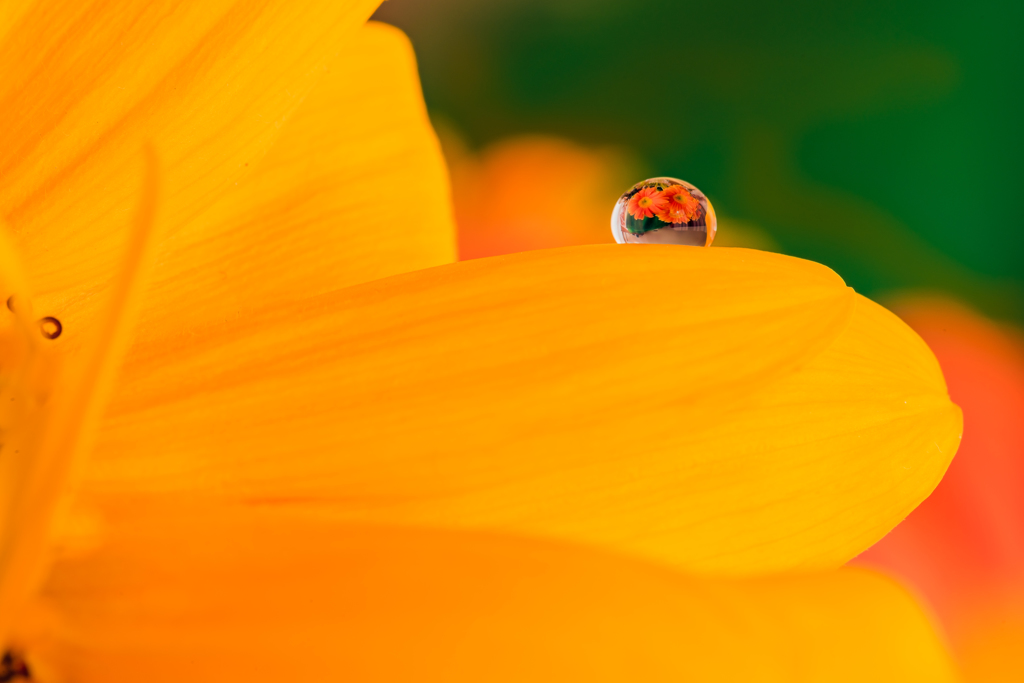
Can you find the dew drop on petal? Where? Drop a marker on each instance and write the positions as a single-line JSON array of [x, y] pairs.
[[664, 211], [50, 327]]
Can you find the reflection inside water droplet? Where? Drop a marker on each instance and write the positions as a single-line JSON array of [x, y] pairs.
[[664, 211], [50, 327]]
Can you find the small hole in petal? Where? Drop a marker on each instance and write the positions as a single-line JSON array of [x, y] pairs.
[[50, 327]]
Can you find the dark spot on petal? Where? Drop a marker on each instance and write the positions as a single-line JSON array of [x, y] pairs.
[[13, 668], [50, 327]]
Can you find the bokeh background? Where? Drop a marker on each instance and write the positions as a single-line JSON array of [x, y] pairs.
[[883, 139]]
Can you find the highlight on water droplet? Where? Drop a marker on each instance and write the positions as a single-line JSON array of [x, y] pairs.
[[50, 327], [664, 211]]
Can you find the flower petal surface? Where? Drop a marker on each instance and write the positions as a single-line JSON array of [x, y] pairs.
[[963, 548], [87, 84], [50, 409], [354, 189], [726, 411], [182, 592]]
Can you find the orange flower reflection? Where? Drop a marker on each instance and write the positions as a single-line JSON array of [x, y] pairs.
[[646, 203], [680, 206]]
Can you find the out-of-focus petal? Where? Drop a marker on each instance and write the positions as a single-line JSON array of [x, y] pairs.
[[291, 598], [963, 548], [87, 84], [723, 410], [988, 638], [539, 192], [534, 192], [354, 189]]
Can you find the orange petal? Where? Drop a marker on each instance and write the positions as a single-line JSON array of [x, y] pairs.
[[963, 549], [86, 84], [49, 415], [987, 641], [970, 532], [26, 378], [535, 192], [353, 190], [188, 593], [717, 409]]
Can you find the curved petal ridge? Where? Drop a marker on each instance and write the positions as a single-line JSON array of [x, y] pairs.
[[51, 437], [746, 427], [180, 591], [87, 84], [318, 213]]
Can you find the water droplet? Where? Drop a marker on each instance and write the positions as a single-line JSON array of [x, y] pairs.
[[10, 303], [50, 327], [664, 211]]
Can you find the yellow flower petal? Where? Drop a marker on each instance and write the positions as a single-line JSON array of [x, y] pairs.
[[86, 84], [354, 189], [724, 410], [197, 594], [49, 414]]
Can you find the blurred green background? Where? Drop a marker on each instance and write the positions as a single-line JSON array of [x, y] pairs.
[[883, 139]]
